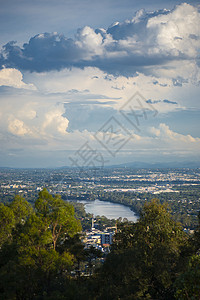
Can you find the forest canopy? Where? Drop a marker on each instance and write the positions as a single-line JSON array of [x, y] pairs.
[[41, 251]]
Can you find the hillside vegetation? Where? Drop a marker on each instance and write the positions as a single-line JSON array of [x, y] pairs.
[[41, 252]]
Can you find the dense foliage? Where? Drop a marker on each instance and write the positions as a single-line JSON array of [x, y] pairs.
[[33, 261], [41, 254], [147, 255]]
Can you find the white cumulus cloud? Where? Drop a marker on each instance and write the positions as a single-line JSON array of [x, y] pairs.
[[17, 127], [164, 132], [13, 77], [54, 121], [177, 32]]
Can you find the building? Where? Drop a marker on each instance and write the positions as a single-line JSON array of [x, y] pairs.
[[106, 238]]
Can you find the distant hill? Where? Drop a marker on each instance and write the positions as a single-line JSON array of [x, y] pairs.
[[135, 165], [158, 165]]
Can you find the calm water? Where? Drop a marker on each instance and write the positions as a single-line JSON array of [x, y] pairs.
[[109, 210]]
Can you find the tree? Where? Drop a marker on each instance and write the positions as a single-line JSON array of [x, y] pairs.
[[188, 283], [21, 209], [76, 247], [195, 239], [142, 263], [58, 216], [36, 252], [7, 222], [92, 254]]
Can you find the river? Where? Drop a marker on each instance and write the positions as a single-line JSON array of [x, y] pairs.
[[109, 209]]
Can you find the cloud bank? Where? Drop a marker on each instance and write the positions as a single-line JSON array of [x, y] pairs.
[[147, 39], [57, 92]]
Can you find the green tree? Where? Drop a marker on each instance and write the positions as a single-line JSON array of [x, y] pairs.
[[188, 283], [36, 254], [92, 254], [195, 239], [58, 216], [143, 260], [76, 247], [7, 222], [21, 209]]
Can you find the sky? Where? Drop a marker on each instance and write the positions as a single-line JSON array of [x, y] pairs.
[[93, 83]]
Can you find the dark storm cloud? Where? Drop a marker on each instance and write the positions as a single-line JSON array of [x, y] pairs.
[[123, 48], [48, 51]]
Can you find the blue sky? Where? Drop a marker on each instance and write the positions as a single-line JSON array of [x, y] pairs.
[[99, 82]]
